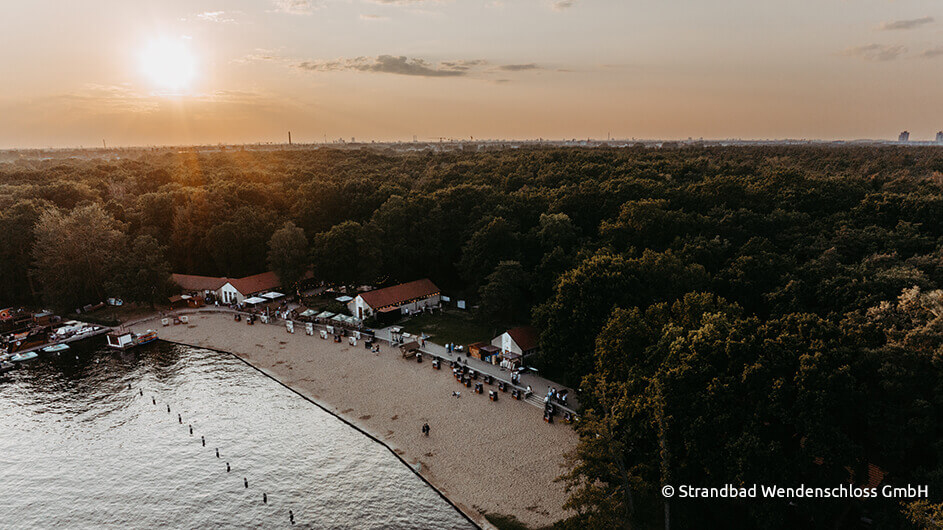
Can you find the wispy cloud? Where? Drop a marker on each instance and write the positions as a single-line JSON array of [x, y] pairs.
[[405, 2], [875, 52], [261, 55], [905, 24], [562, 5], [296, 7], [519, 67], [372, 17], [932, 53], [394, 64], [220, 17], [389, 64]]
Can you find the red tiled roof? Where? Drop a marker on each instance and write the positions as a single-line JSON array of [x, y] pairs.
[[191, 282], [400, 294], [525, 337], [875, 476], [256, 283]]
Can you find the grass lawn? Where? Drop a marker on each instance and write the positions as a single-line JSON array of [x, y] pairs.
[[455, 326], [113, 315]]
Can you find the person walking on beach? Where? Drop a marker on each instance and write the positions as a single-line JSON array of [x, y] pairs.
[[425, 429]]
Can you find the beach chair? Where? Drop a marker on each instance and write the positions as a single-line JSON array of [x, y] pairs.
[[165, 322], [185, 319]]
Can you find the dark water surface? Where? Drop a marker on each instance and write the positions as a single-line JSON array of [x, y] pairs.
[[79, 449]]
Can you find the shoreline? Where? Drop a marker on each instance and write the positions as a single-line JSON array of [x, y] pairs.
[[346, 422], [510, 472]]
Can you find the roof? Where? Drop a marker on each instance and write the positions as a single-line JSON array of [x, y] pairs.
[[409, 346], [265, 281], [192, 282], [400, 294], [524, 336]]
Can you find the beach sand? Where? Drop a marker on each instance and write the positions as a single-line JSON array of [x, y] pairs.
[[496, 457]]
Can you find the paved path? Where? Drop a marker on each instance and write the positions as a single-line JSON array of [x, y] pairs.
[[538, 384]]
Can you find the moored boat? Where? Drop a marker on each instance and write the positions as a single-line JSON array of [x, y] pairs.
[[6, 367], [123, 340], [24, 356], [56, 348]]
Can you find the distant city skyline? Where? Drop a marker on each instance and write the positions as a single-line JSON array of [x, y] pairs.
[[245, 71]]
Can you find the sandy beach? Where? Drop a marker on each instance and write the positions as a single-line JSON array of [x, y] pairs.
[[486, 457]]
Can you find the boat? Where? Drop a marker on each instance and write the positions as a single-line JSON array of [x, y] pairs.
[[123, 340], [6, 367], [27, 339], [56, 348], [24, 356]]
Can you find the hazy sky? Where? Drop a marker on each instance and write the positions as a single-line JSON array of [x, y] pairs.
[[173, 72]]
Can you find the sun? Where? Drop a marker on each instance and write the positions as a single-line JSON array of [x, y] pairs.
[[169, 64]]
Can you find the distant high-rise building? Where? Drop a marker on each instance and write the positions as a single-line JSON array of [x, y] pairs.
[[904, 137], [939, 137]]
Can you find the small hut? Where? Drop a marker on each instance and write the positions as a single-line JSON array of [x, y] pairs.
[[409, 350]]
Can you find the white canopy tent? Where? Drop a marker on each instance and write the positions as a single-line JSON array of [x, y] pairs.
[[255, 300], [272, 295], [343, 299]]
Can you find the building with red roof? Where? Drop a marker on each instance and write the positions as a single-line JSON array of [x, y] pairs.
[[402, 298], [231, 290], [519, 341]]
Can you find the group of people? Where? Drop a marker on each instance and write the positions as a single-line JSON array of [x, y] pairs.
[[553, 394]]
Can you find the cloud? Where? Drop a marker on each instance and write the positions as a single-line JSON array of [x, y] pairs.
[[296, 7], [562, 5], [875, 52], [905, 24], [261, 55], [106, 99], [389, 64], [932, 53], [519, 67], [372, 17], [404, 2], [216, 16]]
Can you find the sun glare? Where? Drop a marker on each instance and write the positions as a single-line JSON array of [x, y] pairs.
[[169, 65]]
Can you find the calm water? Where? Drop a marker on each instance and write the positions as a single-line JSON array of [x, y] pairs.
[[78, 449]]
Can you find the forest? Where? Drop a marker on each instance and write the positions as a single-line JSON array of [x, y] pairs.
[[742, 315]]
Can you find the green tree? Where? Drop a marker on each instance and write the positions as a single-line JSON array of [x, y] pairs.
[[288, 254], [492, 243], [142, 272], [504, 298], [74, 255], [346, 254]]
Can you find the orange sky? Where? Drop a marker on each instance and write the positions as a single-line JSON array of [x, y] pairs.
[[77, 72]]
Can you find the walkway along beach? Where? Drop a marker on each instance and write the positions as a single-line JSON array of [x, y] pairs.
[[486, 457]]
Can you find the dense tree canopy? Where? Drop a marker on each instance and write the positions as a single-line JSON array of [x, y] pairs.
[[732, 314]]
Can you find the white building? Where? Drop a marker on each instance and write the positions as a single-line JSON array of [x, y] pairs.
[[519, 341], [402, 298]]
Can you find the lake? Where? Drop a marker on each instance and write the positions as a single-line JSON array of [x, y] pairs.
[[80, 447]]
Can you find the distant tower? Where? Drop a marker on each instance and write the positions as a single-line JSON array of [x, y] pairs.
[[289, 137], [904, 137], [939, 137]]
